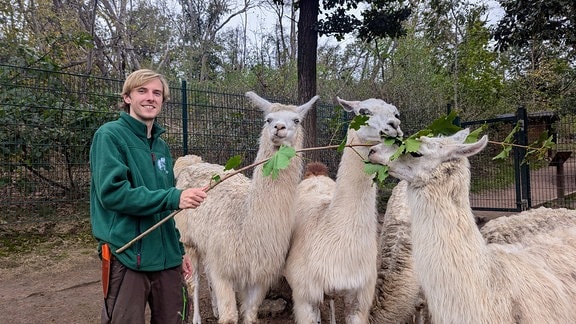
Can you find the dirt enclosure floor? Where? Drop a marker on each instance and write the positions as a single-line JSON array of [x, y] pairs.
[[52, 275]]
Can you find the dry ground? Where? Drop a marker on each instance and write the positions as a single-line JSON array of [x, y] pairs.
[[52, 275], [49, 275]]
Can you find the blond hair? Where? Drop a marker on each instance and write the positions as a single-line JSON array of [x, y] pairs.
[[139, 78]]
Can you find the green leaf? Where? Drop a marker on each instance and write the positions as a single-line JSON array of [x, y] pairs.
[[358, 121], [279, 161], [445, 125], [474, 135], [342, 145], [216, 178], [540, 148], [510, 138], [380, 171], [391, 141], [503, 155], [412, 145], [420, 133], [370, 168], [401, 150], [233, 162]]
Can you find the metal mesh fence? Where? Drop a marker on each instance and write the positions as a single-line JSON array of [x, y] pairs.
[[48, 119], [503, 185]]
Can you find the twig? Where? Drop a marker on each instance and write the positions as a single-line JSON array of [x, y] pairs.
[[146, 232], [229, 175], [212, 185], [510, 144]]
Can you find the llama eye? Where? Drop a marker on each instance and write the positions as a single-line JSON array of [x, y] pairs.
[[269, 120], [365, 112], [296, 121], [415, 154], [397, 116]]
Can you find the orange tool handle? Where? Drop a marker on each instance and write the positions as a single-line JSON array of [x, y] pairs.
[[106, 257], [106, 254]]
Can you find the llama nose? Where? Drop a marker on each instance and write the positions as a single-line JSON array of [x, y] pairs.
[[388, 133], [395, 125]]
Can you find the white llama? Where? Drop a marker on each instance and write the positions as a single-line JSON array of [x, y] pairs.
[[334, 243], [527, 224], [196, 177], [398, 296], [242, 230], [465, 279]]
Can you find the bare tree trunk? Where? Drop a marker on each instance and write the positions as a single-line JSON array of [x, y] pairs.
[[292, 33], [244, 38], [307, 57]]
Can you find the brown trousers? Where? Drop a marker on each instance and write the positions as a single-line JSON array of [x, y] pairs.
[[129, 291]]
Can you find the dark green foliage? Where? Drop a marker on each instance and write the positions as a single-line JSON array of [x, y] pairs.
[[383, 22], [382, 19], [45, 121], [544, 20]]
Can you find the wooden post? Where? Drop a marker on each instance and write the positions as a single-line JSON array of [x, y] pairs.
[[560, 180], [558, 161]]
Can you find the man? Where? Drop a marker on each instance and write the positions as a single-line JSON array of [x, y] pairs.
[[132, 188]]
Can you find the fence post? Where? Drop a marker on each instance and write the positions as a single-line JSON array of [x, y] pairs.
[[184, 119], [523, 194]]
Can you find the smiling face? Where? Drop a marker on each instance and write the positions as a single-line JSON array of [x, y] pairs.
[[146, 101]]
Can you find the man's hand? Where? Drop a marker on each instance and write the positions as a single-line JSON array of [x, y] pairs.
[[187, 267], [192, 197]]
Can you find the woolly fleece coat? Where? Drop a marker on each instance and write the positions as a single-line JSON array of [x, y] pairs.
[[132, 188]]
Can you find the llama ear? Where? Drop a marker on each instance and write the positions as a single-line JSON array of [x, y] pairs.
[[347, 105], [258, 101], [473, 148], [303, 109], [461, 135]]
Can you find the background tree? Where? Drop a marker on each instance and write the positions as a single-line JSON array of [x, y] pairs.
[[459, 38], [382, 18], [202, 20], [539, 38], [369, 48], [525, 21], [41, 34], [306, 60]]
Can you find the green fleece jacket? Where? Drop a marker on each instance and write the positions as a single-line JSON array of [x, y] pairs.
[[132, 188]]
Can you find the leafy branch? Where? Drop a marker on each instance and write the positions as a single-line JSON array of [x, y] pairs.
[[272, 166], [445, 126], [441, 126], [538, 150]]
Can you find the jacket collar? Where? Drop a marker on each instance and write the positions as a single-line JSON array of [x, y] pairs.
[[139, 128]]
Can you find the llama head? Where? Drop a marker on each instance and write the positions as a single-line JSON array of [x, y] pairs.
[[383, 118], [425, 164], [282, 122]]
